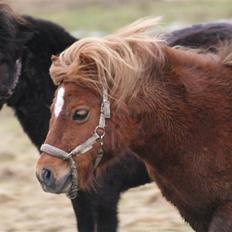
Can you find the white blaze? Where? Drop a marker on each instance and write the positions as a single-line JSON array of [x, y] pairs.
[[59, 102]]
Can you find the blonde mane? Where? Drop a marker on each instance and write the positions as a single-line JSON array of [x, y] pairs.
[[120, 62], [123, 61]]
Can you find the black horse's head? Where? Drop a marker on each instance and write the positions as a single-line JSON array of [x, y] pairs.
[[13, 37]]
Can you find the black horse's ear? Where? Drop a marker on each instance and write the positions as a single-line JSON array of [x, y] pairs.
[[23, 37]]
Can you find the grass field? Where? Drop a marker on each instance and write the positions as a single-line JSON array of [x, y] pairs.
[[24, 207], [110, 15]]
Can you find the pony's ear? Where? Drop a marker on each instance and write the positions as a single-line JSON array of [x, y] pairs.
[[54, 58], [84, 59], [85, 64]]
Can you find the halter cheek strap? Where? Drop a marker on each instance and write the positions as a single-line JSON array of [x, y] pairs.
[[97, 136]]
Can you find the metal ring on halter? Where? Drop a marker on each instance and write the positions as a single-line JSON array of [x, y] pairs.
[[101, 135]]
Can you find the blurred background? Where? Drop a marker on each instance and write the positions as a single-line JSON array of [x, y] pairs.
[[108, 15], [24, 206]]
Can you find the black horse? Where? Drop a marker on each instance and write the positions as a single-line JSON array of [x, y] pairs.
[[26, 45]]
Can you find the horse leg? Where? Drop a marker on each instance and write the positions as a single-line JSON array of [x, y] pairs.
[[96, 210], [84, 212], [107, 220], [222, 219], [117, 178]]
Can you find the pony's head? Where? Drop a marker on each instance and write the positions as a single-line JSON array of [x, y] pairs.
[[12, 40], [91, 75]]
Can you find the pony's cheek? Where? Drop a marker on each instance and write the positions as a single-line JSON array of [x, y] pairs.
[[116, 141]]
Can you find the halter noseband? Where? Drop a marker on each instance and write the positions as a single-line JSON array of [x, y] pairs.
[[97, 136]]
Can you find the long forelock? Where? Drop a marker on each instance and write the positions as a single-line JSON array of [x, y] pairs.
[[120, 62]]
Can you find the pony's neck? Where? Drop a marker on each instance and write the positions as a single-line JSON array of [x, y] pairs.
[[174, 116]]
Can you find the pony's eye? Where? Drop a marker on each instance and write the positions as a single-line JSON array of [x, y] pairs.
[[81, 115]]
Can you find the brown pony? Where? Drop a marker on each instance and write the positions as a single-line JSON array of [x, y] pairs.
[[172, 106]]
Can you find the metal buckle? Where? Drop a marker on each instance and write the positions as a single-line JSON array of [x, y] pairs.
[[100, 131]]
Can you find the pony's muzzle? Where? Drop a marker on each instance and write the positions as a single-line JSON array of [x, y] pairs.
[[52, 180], [53, 185]]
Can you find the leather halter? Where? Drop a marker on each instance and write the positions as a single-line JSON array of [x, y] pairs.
[[97, 137], [18, 69]]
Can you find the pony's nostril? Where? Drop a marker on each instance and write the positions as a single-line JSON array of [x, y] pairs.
[[47, 177], [47, 174]]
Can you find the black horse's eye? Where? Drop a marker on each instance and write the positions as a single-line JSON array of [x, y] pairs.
[[81, 115]]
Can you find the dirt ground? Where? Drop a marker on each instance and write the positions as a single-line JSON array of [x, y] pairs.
[[24, 207]]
